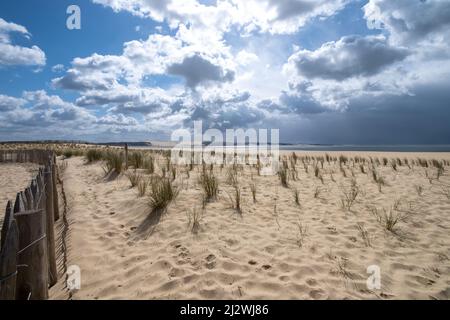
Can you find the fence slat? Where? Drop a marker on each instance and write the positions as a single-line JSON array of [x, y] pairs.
[[55, 189], [19, 205], [8, 214], [29, 200], [8, 256], [48, 186], [34, 192]]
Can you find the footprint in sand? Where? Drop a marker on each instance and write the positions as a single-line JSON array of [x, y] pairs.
[[317, 294], [176, 273], [184, 252], [311, 282], [210, 262], [332, 230], [252, 262]]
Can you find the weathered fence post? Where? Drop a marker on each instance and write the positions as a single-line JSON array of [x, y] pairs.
[[29, 199], [55, 189], [8, 256], [32, 277], [8, 212], [126, 156], [48, 186]]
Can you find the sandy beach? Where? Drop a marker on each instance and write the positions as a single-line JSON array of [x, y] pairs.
[[313, 237], [275, 247]]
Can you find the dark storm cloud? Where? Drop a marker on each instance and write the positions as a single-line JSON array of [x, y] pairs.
[[422, 118], [197, 70], [301, 104], [349, 57], [226, 117]]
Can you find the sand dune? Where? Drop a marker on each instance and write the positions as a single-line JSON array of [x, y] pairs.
[[260, 254]]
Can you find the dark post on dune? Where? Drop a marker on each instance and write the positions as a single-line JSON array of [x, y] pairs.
[[126, 156]]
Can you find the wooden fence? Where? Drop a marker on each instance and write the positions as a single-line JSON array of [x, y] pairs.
[[27, 257]]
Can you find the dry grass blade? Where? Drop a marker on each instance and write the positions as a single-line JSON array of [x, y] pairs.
[[419, 189], [195, 216], [378, 179], [236, 199], [317, 192], [149, 165], [210, 184], [113, 163], [162, 193], [341, 269], [302, 232], [134, 177], [232, 176], [390, 220], [283, 175], [142, 187], [94, 155], [253, 190], [297, 197], [136, 159], [364, 234], [349, 195]]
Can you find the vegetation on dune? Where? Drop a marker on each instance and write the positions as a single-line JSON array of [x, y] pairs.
[[162, 193], [114, 162], [209, 183], [94, 155]]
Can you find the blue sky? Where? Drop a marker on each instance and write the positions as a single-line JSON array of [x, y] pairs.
[[331, 71], [103, 32]]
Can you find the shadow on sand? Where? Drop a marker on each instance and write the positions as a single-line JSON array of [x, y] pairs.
[[148, 225], [111, 176]]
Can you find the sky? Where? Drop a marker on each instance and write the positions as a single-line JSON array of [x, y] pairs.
[[320, 71]]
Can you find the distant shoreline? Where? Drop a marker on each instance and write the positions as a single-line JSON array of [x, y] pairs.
[[283, 146], [345, 148]]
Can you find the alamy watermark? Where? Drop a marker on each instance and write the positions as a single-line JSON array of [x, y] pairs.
[[73, 280], [373, 282], [73, 22], [238, 146]]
